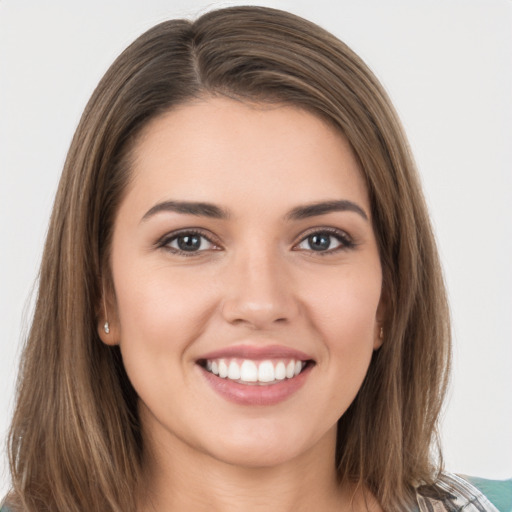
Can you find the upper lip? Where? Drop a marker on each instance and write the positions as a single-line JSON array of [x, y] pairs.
[[257, 352]]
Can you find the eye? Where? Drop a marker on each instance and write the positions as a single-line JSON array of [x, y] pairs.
[[187, 242], [325, 241]]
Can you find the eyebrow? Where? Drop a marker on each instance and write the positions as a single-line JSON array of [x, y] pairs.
[[324, 207], [201, 209], [189, 208]]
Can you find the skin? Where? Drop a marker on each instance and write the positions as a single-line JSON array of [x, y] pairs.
[[258, 282]]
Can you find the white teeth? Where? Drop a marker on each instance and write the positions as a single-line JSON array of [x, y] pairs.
[[233, 371], [290, 369], [223, 369], [280, 371], [266, 372], [253, 371], [249, 371]]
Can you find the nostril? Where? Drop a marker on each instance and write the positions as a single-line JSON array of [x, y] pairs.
[[256, 323], [245, 309]]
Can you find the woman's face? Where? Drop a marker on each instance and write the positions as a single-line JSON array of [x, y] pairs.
[[247, 281]]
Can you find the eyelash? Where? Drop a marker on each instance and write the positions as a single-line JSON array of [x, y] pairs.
[[166, 240], [342, 237]]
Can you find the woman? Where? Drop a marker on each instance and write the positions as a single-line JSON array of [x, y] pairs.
[[240, 302]]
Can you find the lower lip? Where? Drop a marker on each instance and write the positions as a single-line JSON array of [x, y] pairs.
[[247, 394]]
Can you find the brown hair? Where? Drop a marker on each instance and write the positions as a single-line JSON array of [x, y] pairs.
[[75, 441]]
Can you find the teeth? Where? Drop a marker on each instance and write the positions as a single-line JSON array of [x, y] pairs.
[[280, 372], [233, 371], [250, 371], [223, 369], [290, 369], [266, 372]]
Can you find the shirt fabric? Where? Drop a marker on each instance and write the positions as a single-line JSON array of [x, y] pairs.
[[466, 494]]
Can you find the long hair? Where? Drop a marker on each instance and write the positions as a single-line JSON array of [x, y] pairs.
[[75, 441]]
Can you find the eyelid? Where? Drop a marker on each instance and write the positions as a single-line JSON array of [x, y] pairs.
[[164, 241], [346, 241]]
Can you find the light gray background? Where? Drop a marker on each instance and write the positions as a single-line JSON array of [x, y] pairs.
[[447, 65]]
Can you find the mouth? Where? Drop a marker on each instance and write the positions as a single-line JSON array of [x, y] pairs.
[[256, 375], [255, 372]]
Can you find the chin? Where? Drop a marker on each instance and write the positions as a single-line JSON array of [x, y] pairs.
[[260, 457], [264, 447]]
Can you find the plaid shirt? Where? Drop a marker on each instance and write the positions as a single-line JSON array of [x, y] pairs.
[[458, 495]]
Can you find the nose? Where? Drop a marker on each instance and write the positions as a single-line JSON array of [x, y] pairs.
[[259, 293]]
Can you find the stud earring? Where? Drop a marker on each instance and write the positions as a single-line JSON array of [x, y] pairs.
[[106, 326], [381, 333]]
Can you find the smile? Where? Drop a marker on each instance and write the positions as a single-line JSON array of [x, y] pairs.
[[256, 375], [255, 372]]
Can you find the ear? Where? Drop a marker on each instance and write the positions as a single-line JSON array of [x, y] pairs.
[[108, 331], [380, 333], [107, 321]]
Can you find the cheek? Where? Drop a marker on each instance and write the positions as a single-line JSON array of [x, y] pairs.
[[159, 309], [344, 312], [160, 314], [347, 302]]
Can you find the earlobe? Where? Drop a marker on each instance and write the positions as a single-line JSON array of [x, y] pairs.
[[380, 320], [379, 337], [108, 332]]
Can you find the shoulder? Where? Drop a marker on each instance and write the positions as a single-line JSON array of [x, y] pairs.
[[499, 492], [456, 493]]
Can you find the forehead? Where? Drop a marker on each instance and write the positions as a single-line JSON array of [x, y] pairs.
[[218, 145]]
